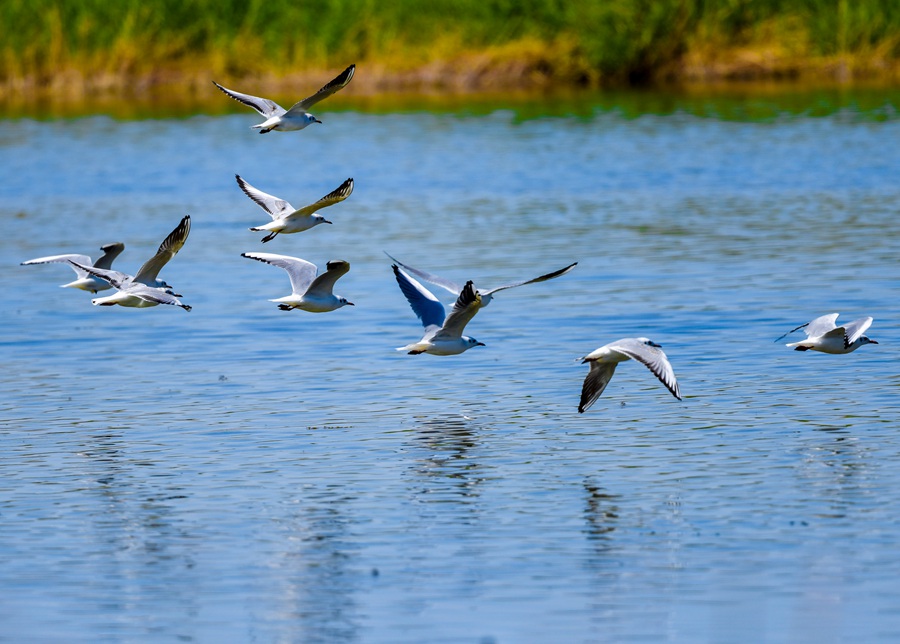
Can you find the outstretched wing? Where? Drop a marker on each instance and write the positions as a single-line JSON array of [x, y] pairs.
[[425, 305], [264, 106], [301, 272], [335, 196], [324, 283], [651, 357], [158, 295], [542, 278], [72, 260], [116, 278], [339, 82], [818, 327], [822, 325], [465, 308], [594, 383], [451, 286], [855, 329], [110, 252], [166, 251], [271, 204]]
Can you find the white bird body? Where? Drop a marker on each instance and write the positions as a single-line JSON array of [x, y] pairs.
[[604, 360], [486, 296], [145, 288], [308, 292], [285, 218], [823, 335], [298, 116], [85, 281], [443, 337], [139, 296]]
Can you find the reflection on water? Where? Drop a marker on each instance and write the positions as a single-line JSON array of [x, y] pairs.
[[448, 468], [238, 472]]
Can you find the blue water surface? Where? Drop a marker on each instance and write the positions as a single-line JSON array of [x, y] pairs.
[[239, 473]]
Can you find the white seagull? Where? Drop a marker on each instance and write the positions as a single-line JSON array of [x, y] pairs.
[[308, 292], [823, 335], [486, 296], [146, 276], [287, 219], [85, 281], [296, 118], [603, 366], [442, 337]]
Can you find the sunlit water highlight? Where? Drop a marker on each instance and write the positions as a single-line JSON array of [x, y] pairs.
[[240, 473]]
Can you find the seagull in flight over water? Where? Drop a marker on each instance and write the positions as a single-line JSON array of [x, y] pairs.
[[85, 281], [145, 288], [443, 337], [296, 118], [287, 219], [822, 334], [308, 292], [603, 365], [486, 296]]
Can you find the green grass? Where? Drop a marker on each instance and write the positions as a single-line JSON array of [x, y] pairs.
[[572, 41]]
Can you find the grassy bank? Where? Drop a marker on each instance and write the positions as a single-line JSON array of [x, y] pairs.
[[459, 44]]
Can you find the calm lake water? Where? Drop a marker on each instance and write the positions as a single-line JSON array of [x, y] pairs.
[[238, 473]]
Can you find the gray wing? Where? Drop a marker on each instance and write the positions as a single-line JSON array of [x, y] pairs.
[[324, 283], [264, 106], [339, 82], [72, 260], [110, 252], [651, 357], [465, 308], [271, 204], [157, 295], [594, 384], [166, 251], [116, 278], [425, 305], [301, 272], [818, 327], [335, 196], [821, 325], [451, 286], [855, 329], [542, 278]]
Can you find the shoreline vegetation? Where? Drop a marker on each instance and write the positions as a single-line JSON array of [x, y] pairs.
[[72, 49]]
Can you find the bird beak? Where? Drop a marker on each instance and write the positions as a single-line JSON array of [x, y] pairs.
[[315, 120], [350, 304], [480, 344], [325, 221], [872, 342], [653, 344]]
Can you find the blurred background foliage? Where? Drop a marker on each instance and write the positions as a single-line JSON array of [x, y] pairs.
[[561, 41]]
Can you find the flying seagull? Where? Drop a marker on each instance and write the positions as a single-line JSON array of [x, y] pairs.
[[443, 337], [308, 292], [822, 334], [287, 219], [603, 365], [486, 296], [296, 118], [85, 281], [130, 293], [146, 276]]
